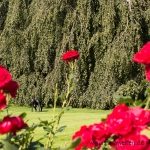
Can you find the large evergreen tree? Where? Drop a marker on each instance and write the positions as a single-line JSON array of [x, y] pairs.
[[34, 34]]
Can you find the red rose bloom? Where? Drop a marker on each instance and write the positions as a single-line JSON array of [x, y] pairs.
[[143, 57], [5, 125], [2, 101], [141, 118], [131, 142], [18, 124], [11, 87], [121, 108], [5, 76], [70, 55], [99, 134], [92, 136], [11, 124], [6, 82], [86, 137], [119, 122]]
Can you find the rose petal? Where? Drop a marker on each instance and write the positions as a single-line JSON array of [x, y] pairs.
[[5, 76], [70, 55], [11, 87], [2, 101]]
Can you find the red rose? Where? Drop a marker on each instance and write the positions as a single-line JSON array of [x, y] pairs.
[[92, 136], [11, 124], [121, 108], [6, 82], [86, 137], [147, 69], [5, 125], [141, 117], [99, 134], [2, 101], [18, 124], [5, 76], [70, 55], [11, 87], [143, 57], [131, 142], [119, 122]]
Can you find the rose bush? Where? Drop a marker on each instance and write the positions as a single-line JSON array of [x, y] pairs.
[[7, 85], [123, 124], [121, 130], [10, 125]]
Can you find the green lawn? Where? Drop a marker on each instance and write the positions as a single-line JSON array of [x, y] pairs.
[[73, 118]]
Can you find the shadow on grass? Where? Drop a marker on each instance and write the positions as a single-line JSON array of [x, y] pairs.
[[45, 110], [40, 111], [56, 148]]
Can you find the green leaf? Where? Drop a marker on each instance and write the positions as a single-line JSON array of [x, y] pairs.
[[103, 119], [143, 83], [61, 128], [45, 122], [33, 127], [9, 146], [47, 129], [73, 87], [23, 115], [75, 143], [36, 145], [148, 89], [125, 100], [62, 96], [1, 145], [139, 103]]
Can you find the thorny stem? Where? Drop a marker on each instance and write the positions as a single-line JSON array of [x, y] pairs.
[[55, 100], [64, 105], [51, 134], [68, 88], [147, 103]]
